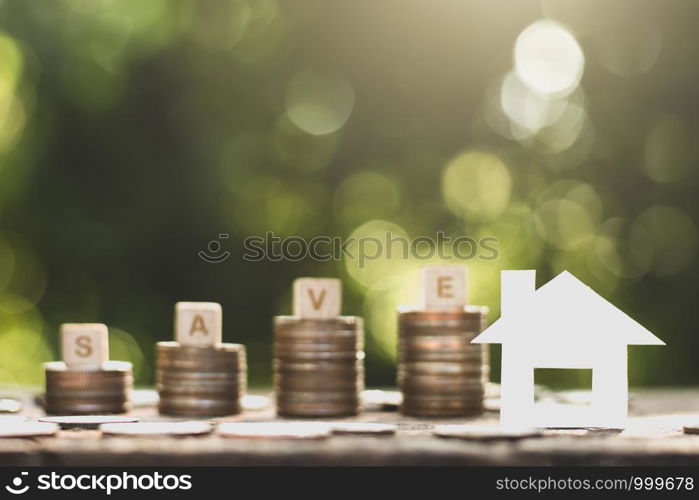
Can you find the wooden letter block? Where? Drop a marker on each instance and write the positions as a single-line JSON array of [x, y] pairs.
[[198, 323], [317, 298], [444, 287], [84, 344]]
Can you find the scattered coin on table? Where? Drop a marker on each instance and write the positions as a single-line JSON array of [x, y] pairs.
[[87, 421], [144, 398], [362, 428], [381, 400], [275, 430], [253, 402], [11, 419], [27, 429], [9, 405], [483, 432], [156, 429], [692, 428]]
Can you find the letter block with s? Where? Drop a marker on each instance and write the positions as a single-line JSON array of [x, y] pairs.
[[84, 344], [317, 298], [198, 323]]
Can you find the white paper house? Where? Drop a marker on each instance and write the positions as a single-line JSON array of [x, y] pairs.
[[563, 324]]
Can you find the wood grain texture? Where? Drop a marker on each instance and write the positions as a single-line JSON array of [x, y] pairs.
[[654, 437]]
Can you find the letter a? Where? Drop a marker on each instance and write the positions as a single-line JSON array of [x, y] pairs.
[[198, 325]]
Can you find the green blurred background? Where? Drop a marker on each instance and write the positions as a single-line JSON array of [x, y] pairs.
[[132, 133]]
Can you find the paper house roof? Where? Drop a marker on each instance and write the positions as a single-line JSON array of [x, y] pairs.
[[566, 309]]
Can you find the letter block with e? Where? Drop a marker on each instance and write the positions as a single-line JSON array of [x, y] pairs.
[[84, 344], [317, 298], [444, 287], [198, 323]]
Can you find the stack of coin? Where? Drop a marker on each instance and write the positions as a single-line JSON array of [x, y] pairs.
[[318, 366], [440, 373], [201, 381], [83, 390]]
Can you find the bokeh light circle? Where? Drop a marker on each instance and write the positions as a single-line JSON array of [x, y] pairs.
[[548, 58], [319, 101], [476, 185]]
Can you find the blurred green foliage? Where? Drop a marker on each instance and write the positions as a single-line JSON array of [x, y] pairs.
[[132, 133]]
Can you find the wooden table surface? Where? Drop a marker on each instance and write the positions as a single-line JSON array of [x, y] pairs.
[[654, 437]]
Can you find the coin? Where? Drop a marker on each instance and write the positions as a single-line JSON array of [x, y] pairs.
[[71, 391], [443, 401], [691, 429], [318, 365], [318, 345], [327, 367], [441, 368], [318, 356], [484, 432], [77, 390], [444, 342], [108, 368], [6, 419], [156, 429], [204, 401], [196, 391], [362, 428], [177, 376], [143, 398], [27, 429], [92, 395], [86, 408], [200, 381], [352, 323], [9, 405], [469, 311], [274, 430], [86, 421], [252, 402], [317, 410], [440, 373], [445, 390], [224, 357], [297, 383], [379, 400], [317, 397]]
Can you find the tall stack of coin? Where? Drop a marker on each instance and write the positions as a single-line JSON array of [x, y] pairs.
[[86, 382], [440, 373], [199, 375], [318, 355]]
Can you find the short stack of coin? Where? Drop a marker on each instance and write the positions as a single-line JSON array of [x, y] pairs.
[[198, 375], [440, 373], [86, 382], [201, 380], [88, 391], [318, 366]]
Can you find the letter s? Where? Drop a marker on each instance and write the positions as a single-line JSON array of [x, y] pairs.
[[185, 483], [44, 483]]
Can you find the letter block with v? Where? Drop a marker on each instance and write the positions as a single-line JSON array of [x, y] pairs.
[[317, 298]]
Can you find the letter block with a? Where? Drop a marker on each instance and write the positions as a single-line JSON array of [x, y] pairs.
[[198, 323]]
